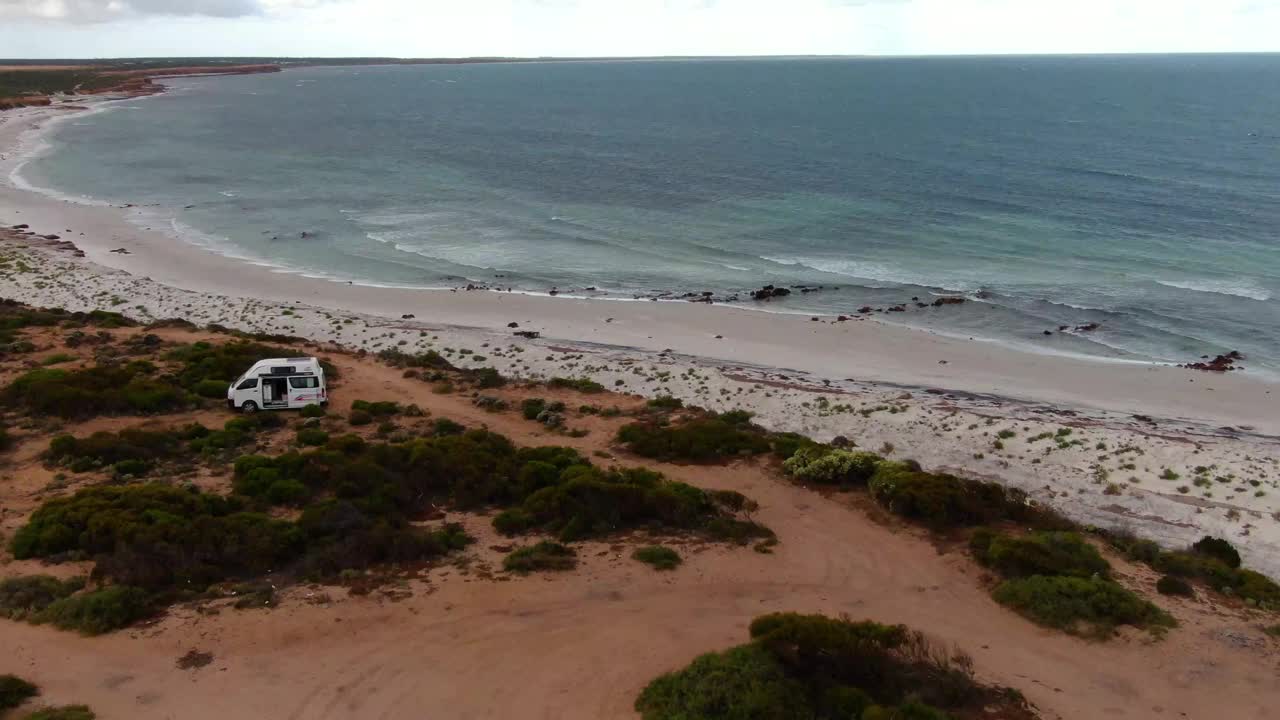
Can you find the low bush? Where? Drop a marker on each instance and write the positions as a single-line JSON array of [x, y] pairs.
[[312, 436], [204, 365], [212, 389], [487, 378], [234, 433], [360, 417], [786, 445], [1248, 585], [157, 536], [660, 557], [708, 439], [99, 390], [823, 465], [1218, 549], [24, 597], [946, 501], [531, 408], [744, 682], [1041, 553], [140, 448], [312, 411], [807, 667], [429, 360], [99, 611], [14, 691], [381, 408], [582, 385], [1170, 585], [581, 501], [545, 555], [63, 712], [666, 402], [1084, 606], [162, 539]]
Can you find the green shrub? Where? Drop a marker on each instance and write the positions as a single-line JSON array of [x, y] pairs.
[[1041, 553], [444, 427], [93, 391], [744, 682], [382, 408], [1088, 606], [543, 556], [821, 465], [531, 408], [213, 389], [203, 364], [487, 378], [428, 360], [943, 501], [140, 448], [1219, 549], [64, 712], [14, 691], [100, 611], [312, 411], [360, 417], [1238, 582], [157, 536], [582, 501], [788, 444], [1135, 548], [666, 402], [1170, 585], [312, 436], [702, 440], [582, 385], [809, 667], [25, 596], [660, 557]]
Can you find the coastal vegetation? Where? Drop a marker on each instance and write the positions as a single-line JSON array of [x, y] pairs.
[[801, 667], [1060, 580], [14, 691], [544, 556], [658, 556]]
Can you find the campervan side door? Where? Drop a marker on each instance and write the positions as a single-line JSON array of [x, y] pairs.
[[304, 390]]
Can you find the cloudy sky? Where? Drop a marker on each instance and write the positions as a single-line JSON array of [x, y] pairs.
[[439, 28]]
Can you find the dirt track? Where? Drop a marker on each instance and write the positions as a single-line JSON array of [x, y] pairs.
[[582, 644]]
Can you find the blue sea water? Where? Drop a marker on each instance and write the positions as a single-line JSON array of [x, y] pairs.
[[1139, 193]]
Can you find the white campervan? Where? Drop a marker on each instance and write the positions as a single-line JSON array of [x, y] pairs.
[[279, 384]]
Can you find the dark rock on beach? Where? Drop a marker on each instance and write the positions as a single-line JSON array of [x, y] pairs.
[[769, 292], [949, 301], [1221, 363]]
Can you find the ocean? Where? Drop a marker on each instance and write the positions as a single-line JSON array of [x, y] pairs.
[[1140, 194]]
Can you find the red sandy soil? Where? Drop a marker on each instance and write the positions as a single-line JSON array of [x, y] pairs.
[[465, 641]]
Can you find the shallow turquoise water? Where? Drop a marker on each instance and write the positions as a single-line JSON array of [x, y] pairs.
[[1140, 193]]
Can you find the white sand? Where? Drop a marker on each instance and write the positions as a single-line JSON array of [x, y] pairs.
[[1226, 424]]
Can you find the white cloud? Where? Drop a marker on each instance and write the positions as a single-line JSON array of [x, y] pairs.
[[631, 27]]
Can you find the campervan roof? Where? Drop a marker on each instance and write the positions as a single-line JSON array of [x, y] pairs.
[[286, 366]]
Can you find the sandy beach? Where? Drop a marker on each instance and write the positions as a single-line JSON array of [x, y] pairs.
[[1138, 431]]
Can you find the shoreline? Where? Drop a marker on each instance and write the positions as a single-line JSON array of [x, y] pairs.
[[940, 398], [863, 347]]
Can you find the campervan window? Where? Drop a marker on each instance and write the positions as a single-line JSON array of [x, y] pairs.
[[249, 384], [304, 382], [283, 370]]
